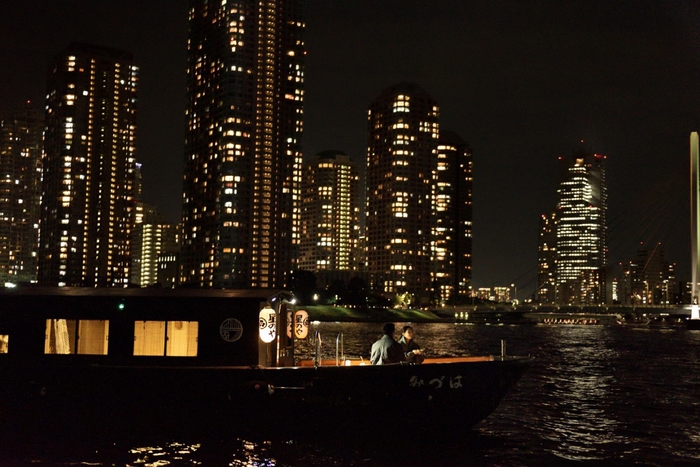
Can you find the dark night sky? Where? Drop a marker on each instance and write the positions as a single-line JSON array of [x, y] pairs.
[[521, 81]]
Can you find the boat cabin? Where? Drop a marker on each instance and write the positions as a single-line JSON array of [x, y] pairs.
[[145, 326]]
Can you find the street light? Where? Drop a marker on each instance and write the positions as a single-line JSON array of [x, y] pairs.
[[515, 294]]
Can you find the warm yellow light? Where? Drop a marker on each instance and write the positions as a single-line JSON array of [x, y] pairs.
[[268, 325]]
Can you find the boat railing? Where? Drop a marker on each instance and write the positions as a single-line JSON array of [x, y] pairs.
[[339, 349], [317, 353]]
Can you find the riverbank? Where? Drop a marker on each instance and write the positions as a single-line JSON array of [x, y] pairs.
[[472, 315], [339, 313]]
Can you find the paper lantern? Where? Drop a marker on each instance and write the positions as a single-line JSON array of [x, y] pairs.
[[301, 324], [267, 324]]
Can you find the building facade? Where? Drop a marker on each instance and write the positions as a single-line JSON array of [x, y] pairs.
[[20, 193], [244, 113], [648, 279], [88, 168], [547, 259], [152, 236], [403, 132], [581, 230], [452, 218], [330, 213]]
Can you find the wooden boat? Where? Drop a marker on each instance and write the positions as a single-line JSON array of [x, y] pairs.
[[100, 360]]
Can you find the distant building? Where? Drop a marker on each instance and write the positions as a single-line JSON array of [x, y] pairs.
[[501, 294], [87, 208], [484, 293], [547, 259], [330, 213], [648, 279], [169, 270], [402, 141], [20, 193], [452, 217], [151, 238], [244, 113], [581, 230]]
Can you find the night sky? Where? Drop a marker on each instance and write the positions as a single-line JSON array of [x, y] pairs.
[[522, 81]]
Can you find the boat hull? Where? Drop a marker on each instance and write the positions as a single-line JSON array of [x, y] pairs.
[[100, 400]]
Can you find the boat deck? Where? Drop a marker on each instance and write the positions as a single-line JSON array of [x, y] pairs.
[[361, 362]]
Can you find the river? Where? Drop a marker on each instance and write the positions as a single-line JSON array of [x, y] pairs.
[[614, 395]]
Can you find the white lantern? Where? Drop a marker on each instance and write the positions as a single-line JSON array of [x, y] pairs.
[[301, 324], [268, 324]]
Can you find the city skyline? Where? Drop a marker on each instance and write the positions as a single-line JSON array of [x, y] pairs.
[[521, 83]]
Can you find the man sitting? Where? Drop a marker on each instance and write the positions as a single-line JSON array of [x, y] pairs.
[[387, 350]]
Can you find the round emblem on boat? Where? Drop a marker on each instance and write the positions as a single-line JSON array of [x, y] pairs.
[[231, 330]]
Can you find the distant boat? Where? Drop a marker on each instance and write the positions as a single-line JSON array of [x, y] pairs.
[[103, 359]]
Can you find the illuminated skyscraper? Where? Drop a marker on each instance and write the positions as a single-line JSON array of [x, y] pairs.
[[152, 238], [244, 111], [20, 194], [89, 168], [452, 217], [547, 258], [330, 213], [581, 230], [402, 144]]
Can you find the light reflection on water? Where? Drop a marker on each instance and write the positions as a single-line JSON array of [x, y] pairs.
[[597, 395]]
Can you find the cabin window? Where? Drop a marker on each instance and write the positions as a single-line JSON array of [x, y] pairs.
[[169, 338], [81, 336], [4, 340]]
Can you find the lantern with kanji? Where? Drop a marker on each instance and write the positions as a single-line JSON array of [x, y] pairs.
[[268, 324]]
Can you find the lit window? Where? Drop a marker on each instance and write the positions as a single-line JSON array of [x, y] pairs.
[[69, 336], [170, 338]]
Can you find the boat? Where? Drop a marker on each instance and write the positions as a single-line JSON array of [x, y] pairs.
[[99, 360]]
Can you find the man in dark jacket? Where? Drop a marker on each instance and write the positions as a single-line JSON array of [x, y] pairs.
[[387, 350]]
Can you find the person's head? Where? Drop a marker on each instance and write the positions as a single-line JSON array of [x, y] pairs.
[[407, 332], [389, 329]]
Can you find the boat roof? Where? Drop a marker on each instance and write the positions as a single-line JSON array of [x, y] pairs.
[[265, 294]]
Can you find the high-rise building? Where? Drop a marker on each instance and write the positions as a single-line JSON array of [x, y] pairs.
[[20, 193], [330, 213], [152, 236], [402, 144], [581, 230], [87, 203], [452, 217], [547, 259], [244, 111], [649, 279]]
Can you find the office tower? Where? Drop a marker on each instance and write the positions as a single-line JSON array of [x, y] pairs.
[[20, 193], [452, 217], [330, 213], [581, 229], [244, 112], [401, 149], [89, 168], [547, 259]]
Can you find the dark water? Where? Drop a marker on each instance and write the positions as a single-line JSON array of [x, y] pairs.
[[597, 395]]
